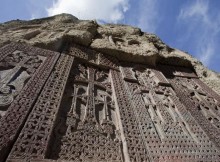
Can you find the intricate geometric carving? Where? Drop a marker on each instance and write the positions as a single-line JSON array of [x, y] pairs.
[[92, 110], [24, 72], [18, 68], [93, 57], [108, 61], [199, 104], [87, 127], [134, 145], [168, 130], [83, 53], [34, 138]]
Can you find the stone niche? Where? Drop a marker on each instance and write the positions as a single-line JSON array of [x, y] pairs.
[[85, 106]]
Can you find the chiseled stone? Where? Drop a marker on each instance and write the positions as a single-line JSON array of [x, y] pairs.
[[125, 42], [73, 90]]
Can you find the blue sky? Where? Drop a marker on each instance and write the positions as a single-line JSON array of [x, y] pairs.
[[189, 25]]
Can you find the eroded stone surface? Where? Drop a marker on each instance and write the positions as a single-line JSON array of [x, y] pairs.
[[96, 108], [23, 72], [125, 42], [113, 94]]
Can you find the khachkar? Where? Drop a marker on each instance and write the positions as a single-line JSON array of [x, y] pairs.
[[82, 105]]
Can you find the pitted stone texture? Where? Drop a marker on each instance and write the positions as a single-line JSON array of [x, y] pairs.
[[49, 32], [125, 42], [96, 108], [25, 70]]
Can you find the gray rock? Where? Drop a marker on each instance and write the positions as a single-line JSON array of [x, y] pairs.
[[125, 42]]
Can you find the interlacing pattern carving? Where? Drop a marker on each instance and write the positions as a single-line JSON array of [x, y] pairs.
[[15, 70], [27, 69], [93, 57], [87, 128], [203, 107], [136, 147], [89, 107], [169, 131], [34, 137]]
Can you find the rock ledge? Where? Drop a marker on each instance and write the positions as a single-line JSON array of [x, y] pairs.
[[125, 42]]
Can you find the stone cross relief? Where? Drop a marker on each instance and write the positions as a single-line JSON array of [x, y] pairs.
[[91, 117], [161, 108], [92, 103], [13, 76], [208, 106]]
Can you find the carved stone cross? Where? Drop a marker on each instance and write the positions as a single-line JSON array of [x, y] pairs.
[[107, 105], [19, 68], [88, 77], [11, 82]]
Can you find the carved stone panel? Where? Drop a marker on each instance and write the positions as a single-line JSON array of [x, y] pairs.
[[80, 121], [23, 72], [133, 144], [87, 124], [94, 108], [200, 101], [93, 57], [34, 138], [168, 129], [203, 107], [15, 71]]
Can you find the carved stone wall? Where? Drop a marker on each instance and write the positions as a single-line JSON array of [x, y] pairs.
[[87, 106], [169, 131], [23, 72]]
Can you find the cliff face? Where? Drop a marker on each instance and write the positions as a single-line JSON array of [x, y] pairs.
[[102, 93], [125, 42]]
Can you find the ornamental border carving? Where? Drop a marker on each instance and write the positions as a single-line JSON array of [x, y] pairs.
[[13, 121]]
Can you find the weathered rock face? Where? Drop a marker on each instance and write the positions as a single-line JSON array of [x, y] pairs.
[[125, 42], [73, 90]]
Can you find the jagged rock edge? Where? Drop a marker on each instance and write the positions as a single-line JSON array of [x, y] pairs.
[[91, 32]]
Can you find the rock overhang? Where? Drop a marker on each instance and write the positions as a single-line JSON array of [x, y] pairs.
[[125, 42]]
